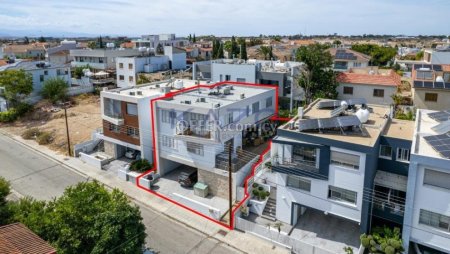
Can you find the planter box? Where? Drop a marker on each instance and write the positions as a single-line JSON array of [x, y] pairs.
[[147, 183], [257, 206], [132, 176], [123, 174]]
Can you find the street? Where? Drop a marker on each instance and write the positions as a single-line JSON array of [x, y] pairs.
[[32, 174]]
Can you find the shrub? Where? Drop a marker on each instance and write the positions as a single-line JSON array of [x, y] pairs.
[[13, 113], [140, 165], [55, 89], [255, 192], [31, 133], [260, 188], [44, 138], [254, 185]]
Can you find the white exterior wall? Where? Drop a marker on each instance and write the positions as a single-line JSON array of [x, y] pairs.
[[178, 59], [366, 91], [341, 177], [127, 72], [51, 73], [432, 199], [244, 71], [438, 57]]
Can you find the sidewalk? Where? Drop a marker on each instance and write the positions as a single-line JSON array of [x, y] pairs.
[[245, 242]]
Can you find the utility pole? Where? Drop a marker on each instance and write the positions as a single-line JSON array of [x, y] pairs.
[[67, 130], [230, 192]]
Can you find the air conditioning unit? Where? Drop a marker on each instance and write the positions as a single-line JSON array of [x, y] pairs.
[[132, 93], [202, 99], [187, 102], [139, 92]]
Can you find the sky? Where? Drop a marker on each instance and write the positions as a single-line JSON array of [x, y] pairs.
[[224, 17]]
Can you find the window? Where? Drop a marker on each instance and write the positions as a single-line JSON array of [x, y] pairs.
[[240, 79], [227, 77], [100, 60], [114, 128], [437, 179], [230, 118], [299, 183], [195, 148], [348, 90], [402, 154], [46, 73], [41, 78], [130, 66], [168, 141], [255, 107], [356, 64], [446, 77], [168, 116], [120, 65], [131, 78], [385, 152], [424, 75], [132, 109], [247, 110], [378, 92], [340, 194], [121, 77], [432, 97], [133, 132], [345, 160], [269, 102], [435, 220], [304, 155]]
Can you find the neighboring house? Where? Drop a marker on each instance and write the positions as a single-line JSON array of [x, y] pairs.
[[100, 59], [431, 86], [128, 68], [152, 41], [427, 215], [345, 59], [126, 116], [252, 71], [192, 52], [437, 56], [40, 71], [206, 53], [18, 239], [197, 129], [348, 168], [61, 53], [374, 87], [33, 50]]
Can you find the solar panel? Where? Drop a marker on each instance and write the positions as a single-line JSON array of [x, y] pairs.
[[447, 85], [329, 104], [337, 111], [347, 121], [440, 116], [437, 67], [442, 127], [440, 143], [308, 124], [426, 66], [418, 83], [428, 84], [439, 85], [328, 123]]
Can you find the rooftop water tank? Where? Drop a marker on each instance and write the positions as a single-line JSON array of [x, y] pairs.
[[178, 84], [344, 104], [110, 45], [439, 79], [142, 49], [363, 115]]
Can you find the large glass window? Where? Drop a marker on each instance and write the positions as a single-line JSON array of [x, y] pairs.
[[133, 132], [168, 116], [435, 220], [385, 152], [345, 160], [299, 183], [304, 155], [402, 154], [168, 141], [112, 108], [269, 102], [340, 194], [132, 109], [437, 178], [255, 107]]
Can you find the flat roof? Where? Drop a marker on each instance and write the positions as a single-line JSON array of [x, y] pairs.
[[372, 128], [401, 129], [151, 89], [424, 125], [31, 65], [211, 97]]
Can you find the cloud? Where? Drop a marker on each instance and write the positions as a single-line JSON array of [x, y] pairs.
[[227, 17]]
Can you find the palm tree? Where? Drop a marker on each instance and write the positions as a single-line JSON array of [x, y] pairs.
[[263, 51]]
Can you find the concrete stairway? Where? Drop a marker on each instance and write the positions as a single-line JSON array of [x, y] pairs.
[[270, 209]]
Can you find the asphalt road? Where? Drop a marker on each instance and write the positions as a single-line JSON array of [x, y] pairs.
[[32, 174]]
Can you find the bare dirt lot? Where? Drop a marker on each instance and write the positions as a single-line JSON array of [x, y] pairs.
[[83, 118]]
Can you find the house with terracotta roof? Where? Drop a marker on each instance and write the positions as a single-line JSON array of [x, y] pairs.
[[345, 59], [35, 50], [18, 239], [375, 87], [431, 86]]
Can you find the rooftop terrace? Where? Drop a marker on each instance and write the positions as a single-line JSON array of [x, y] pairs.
[[427, 126]]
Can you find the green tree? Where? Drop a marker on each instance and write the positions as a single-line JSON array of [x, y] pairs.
[[220, 51], [337, 42], [194, 40], [17, 84], [317, 77], [215, 49], [55, 89], [271, 53], [190, 37], [26, 40], [41, 39], [100, 42], [419, 55], [227, 47], [380, 56], [263, 51], [234, 47], [4, 192], [32, 213], [92, 44], [383, 240], [243, 52]]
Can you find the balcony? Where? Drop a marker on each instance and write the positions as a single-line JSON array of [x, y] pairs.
[[114, 118], [239, 159], [305, 168], [201, 133]]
